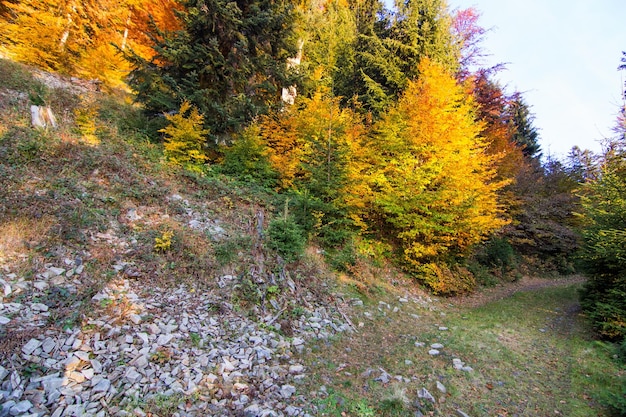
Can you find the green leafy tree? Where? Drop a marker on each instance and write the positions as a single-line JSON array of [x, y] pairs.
[[228, 59]]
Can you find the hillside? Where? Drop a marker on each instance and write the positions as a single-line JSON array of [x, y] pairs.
[[97, 315], [134, 288]]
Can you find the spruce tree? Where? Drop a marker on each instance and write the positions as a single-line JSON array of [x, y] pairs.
[[389, 48], [526, 135], [228, 60]]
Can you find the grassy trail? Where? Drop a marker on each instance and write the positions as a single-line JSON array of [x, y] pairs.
[[531, 354]]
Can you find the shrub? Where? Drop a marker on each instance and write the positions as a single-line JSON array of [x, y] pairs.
[[286, 238], [497, 253], [185, 138], [247, 159], [442, 279]]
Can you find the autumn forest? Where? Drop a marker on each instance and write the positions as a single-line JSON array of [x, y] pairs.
[[379, 131]]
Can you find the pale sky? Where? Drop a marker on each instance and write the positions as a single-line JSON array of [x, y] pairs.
[[563, 55]]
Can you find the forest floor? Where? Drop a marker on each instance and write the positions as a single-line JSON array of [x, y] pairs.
[[519, 349], [506, 289]]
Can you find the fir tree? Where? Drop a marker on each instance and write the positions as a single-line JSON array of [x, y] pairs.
[[228, 59]]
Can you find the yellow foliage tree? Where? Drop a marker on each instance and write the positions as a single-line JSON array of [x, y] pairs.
[[429, 177], [310, 145], [82, 38], [185, 138]]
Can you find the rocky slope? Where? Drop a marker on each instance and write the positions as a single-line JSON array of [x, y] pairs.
[[127, 288]]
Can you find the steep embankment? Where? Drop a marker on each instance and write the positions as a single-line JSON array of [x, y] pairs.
[[129, 287]]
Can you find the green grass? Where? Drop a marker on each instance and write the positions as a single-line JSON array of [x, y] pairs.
[[532, 355]]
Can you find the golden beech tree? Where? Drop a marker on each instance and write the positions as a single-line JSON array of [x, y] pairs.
[[310, 145], [311, 140], [185, 138], [429, 177], [82, 38]]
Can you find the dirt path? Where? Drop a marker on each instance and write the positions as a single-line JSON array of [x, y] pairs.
[[501, 291]]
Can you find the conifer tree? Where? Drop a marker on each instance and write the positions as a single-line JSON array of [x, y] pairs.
[[310, 145], [228, 59], [389, 48], [526, 135]]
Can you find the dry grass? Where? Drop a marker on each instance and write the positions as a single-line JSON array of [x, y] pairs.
[[18, 236]]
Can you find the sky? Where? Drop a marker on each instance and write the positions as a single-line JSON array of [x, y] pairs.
[[563, 56]]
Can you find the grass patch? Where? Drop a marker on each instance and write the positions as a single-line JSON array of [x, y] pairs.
[[532, 355]]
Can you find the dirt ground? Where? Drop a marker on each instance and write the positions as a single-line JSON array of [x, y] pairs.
[[487, 295]]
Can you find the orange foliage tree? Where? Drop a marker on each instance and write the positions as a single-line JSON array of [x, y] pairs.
[[311, 146], [82, 38], [429, 178]]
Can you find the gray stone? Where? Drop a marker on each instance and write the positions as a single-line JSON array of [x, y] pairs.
[[132, 375], [21, 408], [51, 384], [252, 411], [141, 362], [4, 320], [58, 412], [436, 346], [54, 271], [6, 407], [31, 346], [3, 373], [143, 337], [287, 390], [88, 373], [425, 395], [135, 318], [72, 363], [443, 329], [102, 386], [441, 387], [461, 413], [41, 285], [164, 339], [384, 377], [39, 307], [97, 366], [48, 344], [433, 352], [296, 369], [420, 344]]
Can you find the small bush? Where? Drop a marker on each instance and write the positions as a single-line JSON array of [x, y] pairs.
[[344, 258], [246, 293], [185, 138], [247, 159], [164, 242], [286, 238], [482, 274], [227, 251], [497, 253], [444, 280]]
